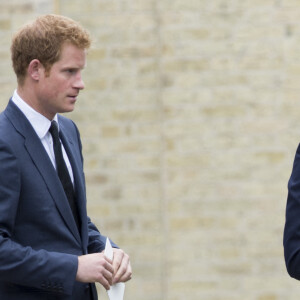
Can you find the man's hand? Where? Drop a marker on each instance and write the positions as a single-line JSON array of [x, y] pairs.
[[121, 266], [95, 268]]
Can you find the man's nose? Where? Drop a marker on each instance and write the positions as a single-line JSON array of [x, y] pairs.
[[79, 84]]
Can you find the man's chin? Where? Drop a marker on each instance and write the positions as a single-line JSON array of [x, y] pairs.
[[67, 109]]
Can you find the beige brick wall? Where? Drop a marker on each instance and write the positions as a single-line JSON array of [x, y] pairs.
[[189, 121]]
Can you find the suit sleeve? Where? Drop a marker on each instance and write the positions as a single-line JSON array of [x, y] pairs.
[[22, 265], [96, 239]]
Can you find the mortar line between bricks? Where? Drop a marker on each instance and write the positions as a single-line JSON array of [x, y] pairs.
[[165, 247], [56, 7]]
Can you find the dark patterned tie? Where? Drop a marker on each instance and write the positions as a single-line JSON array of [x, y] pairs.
[[62, 171]]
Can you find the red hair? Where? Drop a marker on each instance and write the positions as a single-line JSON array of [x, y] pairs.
[[43, 39]]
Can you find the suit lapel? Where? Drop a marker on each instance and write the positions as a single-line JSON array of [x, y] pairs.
[[74, 158], [43, 163]]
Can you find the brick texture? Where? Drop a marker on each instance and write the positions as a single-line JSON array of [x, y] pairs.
[[190, 121]]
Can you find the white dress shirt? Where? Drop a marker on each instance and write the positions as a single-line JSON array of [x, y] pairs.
[[41, 126]]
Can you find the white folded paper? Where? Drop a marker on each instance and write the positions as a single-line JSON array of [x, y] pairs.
[[116, 291]]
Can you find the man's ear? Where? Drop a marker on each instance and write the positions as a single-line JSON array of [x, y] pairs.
[[34, 69]]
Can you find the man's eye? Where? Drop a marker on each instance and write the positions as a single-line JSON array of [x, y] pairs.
[[71, 71]]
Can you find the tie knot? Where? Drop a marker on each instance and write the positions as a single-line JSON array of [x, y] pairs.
[[54, 129]]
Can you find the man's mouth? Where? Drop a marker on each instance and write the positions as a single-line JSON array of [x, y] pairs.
[[74, 97]]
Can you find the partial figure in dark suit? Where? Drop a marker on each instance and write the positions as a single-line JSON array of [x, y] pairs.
[[291, 239], [49, 248]]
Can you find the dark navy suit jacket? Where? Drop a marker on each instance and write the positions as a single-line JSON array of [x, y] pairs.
[[39, 240], [291, 240]]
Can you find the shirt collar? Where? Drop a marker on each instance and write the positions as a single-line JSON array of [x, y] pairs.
[[39, 122]]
